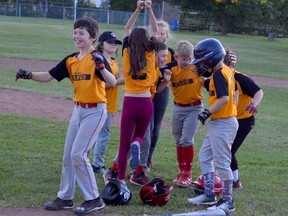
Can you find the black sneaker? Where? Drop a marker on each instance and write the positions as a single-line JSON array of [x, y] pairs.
[[139, 179], [223, 204], [203, 199], [89, 206], [58, 204], [101, 169]]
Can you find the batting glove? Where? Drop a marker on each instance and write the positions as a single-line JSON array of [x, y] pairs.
[[204, 115], [23, 74], [252, 108], [99, 60]]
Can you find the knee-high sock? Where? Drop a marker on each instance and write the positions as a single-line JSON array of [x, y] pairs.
[[187, 158], [179, 157]]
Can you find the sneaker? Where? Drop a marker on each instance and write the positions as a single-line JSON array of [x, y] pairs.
[[224, 205], [148, 167], [129, 175], [58, 204], [135, 154], [203, 199], [237, 184], [184, 180], [146, 170], [101, 169], [177, 179], [89, 206], [139, 179], [109, 174]]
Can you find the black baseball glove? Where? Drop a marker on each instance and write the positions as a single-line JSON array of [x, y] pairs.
[[23, 74], [204, 115]]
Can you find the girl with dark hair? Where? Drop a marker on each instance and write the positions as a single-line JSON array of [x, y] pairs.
[[139, 75]]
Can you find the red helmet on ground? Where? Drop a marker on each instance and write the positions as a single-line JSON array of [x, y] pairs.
[[199, 185], [155, 193]]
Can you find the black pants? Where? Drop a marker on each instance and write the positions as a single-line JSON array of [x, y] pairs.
[[245, 126]]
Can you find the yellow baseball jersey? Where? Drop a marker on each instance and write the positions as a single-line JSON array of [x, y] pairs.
[[153, 89], [145, 78], [222, 83], [247, 89], [185, 84], [112, 93], [87, 81]]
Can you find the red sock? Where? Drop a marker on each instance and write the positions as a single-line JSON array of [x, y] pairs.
[[114, 166], [187, 158], [179, 157], [138, 170]]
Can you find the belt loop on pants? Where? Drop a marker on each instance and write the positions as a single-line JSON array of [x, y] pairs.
[[196, 103], [86, 105]]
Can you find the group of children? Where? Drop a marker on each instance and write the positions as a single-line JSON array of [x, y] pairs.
[[149, 70]]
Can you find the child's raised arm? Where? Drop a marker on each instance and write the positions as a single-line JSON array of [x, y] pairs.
[[131, 22], [153, 20]]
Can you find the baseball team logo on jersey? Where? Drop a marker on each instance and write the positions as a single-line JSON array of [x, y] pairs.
[[76, 77], [183, 82]]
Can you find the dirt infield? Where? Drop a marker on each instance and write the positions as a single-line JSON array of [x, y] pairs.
[[26, 103]]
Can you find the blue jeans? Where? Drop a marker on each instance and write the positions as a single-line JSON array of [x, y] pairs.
[[160, 102], [102, 142]]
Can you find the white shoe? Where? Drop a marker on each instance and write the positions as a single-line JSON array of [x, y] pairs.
[[224, 205], [203, 199]]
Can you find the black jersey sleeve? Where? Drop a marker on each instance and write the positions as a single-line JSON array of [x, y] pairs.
[[221, 84], [172, 53], [206, 84], [60, 71], [125, 44], [248, 85]]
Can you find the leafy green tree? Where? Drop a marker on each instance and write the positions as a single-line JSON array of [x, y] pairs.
[[235, 15], [123, 5]]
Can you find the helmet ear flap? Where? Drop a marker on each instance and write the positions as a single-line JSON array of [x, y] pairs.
[[146, 194]]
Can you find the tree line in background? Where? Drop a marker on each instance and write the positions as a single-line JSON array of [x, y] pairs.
[[229, 16]]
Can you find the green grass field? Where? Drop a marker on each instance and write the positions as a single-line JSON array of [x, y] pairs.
[[30, 166]]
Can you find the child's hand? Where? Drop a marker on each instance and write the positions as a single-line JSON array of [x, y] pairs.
[[148, 4], [140, 4], [167, 75], [233, 59]]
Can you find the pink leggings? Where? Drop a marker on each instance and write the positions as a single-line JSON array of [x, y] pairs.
[[136, 115]]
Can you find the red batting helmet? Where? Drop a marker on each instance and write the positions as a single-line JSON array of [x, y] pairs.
[[199, 185], [155, 193]]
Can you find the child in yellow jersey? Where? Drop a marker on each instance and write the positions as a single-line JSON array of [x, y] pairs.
[[186, 88], [139, 176], [88, 74], [161, 99], [108, 47], [250, 96], [139, 76], [222, 126]]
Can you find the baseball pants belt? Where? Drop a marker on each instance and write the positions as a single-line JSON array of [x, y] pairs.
[[86, 105], [196, 103]]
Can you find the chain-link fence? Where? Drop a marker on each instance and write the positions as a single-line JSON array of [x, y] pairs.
[[69, 13]]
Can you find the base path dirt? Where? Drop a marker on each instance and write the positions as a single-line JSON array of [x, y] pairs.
[[8, 211]]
